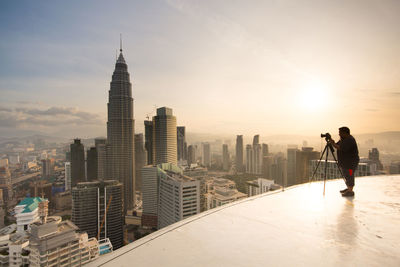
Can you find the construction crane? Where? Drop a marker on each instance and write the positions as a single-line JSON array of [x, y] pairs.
[[148, 114], [104, 218]]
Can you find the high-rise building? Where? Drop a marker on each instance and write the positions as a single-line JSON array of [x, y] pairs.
[[206, 154], [67, 176], [225, 157], [291, 166], [47, 168], [303, 162], [150, 196], [77, 162], [265, 150], [58, 243], [148, 143], [100, 144], [239, 153], [5, 183], [179, 196], [181, 140], [120, 132], [97, 207], [191, 154], [140, 160], [256, 139], [168, 195], [279, 170], [164, 137], [91, 164], [249, 159], [373, 156], [268, 161]]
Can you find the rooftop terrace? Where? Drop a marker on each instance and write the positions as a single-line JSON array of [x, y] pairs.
[[297, 227]]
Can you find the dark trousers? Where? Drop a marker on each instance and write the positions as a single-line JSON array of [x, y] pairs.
[[348, 176]]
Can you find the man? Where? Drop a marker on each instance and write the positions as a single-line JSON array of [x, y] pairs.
[[347, 152]]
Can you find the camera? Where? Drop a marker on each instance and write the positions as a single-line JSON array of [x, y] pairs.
[[327, 136]]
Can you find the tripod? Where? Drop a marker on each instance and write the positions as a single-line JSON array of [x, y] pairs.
[[326, 152]]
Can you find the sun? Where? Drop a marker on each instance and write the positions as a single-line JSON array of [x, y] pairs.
[[313, 96]]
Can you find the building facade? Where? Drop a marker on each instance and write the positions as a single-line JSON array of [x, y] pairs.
[[164, 137], [239, 153], [120, 132], [77, 162], [97, 210]]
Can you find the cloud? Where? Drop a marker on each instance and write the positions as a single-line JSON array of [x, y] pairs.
[[50, 117]]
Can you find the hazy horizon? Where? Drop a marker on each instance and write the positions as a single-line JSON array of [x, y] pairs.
[[226, 68]]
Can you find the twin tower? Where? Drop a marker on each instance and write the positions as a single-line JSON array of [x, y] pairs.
[[120, 148]]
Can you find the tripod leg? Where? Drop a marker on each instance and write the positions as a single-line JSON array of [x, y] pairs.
[[326, 166], [337, 164], [316, 168]]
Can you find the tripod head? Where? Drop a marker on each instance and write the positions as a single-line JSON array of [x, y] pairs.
[[328, 138]]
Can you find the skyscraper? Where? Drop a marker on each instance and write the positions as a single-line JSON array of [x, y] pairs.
[[180, 135], [148, 143], [91, 164], [67, 176], [100, 144], [77, 162], [90, 213], [140, 160], [239, 153], [291, 166], [206, 154], [164, 137], [225, 157], [47, 168], [191, 154], [121, 131]]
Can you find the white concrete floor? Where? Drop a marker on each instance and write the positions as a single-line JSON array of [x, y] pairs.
[[297, 227]]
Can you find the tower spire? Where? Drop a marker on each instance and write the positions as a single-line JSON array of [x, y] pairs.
[[120, 42]]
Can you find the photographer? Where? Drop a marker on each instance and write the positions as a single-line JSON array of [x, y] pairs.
[[347, 152]]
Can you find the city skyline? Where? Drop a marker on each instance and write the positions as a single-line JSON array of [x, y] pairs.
[[235, 69]]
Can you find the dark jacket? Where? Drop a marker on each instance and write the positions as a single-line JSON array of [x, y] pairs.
[[348, 153]]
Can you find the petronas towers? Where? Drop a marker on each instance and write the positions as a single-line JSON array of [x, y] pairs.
[[121, 132]]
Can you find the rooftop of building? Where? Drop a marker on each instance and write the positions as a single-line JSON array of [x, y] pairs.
[[297, 227], [30, 203]]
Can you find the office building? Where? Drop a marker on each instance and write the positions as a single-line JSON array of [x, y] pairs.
[[5, 183], [164, 137], [206, 159], [191, 155], [150, 196], [67, 176], [303, 158], [97, 210], [239, 153], [279, 170], [259, 186], [225, 158], [77, 162], [120, 132], [148, 143], [265, 150], [27, 212], [100, 144], [168, 195], [291, 165], [181, 141], [179, 196], [140, 160], [47, 168], [332, 170], [373, 156], [91, 164], [58, 243]]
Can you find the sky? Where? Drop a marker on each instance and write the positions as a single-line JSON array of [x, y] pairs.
[[224, 67]]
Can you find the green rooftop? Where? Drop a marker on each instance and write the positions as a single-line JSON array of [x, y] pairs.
[[31, 203]]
